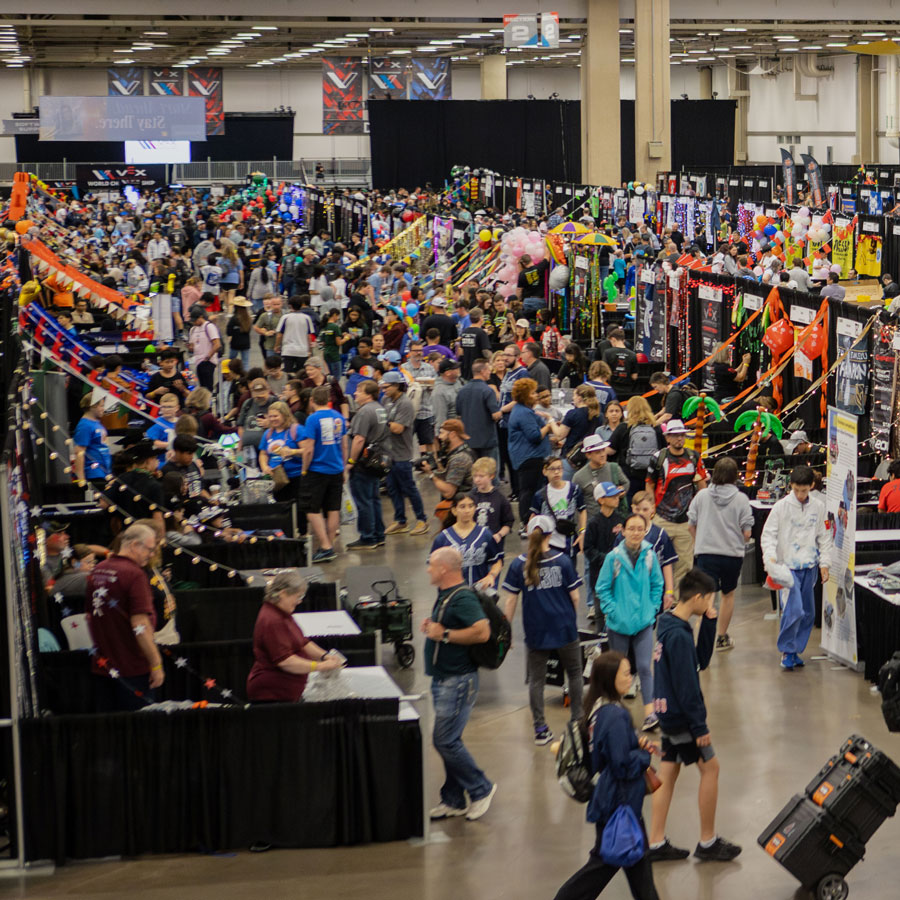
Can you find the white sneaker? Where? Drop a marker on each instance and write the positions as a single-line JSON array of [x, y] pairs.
[[477, 808], [442, 811], [631, 693]]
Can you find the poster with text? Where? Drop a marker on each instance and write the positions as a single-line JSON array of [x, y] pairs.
[[342, 95], [206, 82], [658, 318], [430, 79], [167, 82], [387, 79], [710, 328], [125, 81], [838, 596], [884, 383], [852, 380]]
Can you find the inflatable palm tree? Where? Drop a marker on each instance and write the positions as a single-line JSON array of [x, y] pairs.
[[699, 407], [762, 424]]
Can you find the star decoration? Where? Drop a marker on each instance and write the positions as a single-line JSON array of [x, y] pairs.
[[113, 673], [180, 663], [140, 629], [113, 603], [103, 662], [226, 693], [66, 552], [58, 597], [100, 592], [210, 683], [92, 651], [35, 511]]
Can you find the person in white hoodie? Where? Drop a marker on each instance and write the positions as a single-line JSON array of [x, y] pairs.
[[795, 536], [721, 521]]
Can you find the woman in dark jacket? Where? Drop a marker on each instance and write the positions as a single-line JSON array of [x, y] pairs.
[[621, 758]]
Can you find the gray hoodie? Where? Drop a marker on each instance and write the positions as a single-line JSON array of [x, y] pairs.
[[721, 514]]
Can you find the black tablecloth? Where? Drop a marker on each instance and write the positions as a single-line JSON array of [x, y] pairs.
[[293, 775], [877, 630], [279, 553]]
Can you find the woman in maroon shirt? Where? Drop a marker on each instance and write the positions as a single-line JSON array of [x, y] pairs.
[[284, 655]]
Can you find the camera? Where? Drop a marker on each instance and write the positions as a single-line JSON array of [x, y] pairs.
[[426, 458]]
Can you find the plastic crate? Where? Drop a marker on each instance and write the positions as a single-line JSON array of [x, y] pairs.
[[810, 844]]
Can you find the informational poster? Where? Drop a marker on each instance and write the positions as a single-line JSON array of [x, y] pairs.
[[884, 387], [342, 95], [842, 246], [206, 82], [117, 178], [852, 380], [387, 79], [658, 319], [710, 327], [430, 78], [125, 81], [838, 604], [167, 82], [443, 238]]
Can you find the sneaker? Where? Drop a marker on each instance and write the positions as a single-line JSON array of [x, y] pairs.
[[650, 723], [477, 808], [379, 542], [720, 851], [420, 528], [442, 811], [542, 735], [724, 642], [787, 661], [797, 661], [321, 556], [396, 528], [361, 545], [631, 693], [667, 852]]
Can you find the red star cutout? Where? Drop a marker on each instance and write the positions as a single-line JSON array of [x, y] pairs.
[[210, 683], [138, 693], [103, 662]]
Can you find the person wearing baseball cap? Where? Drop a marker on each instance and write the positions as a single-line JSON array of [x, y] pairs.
[[549, 586], [603, 529], [458, 460], [445, 391], [439, 319], [674, 476]]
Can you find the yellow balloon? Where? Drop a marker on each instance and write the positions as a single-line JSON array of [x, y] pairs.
[[484, 234]]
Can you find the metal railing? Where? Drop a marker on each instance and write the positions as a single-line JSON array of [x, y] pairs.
[[356, 172]]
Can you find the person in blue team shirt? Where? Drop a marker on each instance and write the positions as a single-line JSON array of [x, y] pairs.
[[92, 457], [482, 555], [280, 446], [163, 430], [563, 502], [324, 456], [549, 584]]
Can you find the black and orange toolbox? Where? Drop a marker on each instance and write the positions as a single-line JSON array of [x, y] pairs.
[[819, 837]]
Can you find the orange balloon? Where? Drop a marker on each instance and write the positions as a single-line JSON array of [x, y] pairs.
[[23, 225]]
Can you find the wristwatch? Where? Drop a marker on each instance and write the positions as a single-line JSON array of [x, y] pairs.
[[446, 638]]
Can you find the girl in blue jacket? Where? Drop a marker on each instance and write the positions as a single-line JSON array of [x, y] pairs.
[[630, 590], [620, 758]]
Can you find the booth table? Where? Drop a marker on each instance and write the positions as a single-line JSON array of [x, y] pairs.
[[370, 682], [877, 623], [322, 624]]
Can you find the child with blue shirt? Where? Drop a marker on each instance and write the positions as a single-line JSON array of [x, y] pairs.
[[163, 430]]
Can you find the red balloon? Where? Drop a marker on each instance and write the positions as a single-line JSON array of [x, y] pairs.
[[814, 343], [408, 216], [779, 338]]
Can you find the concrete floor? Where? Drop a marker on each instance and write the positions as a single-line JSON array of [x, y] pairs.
[[772, 731]]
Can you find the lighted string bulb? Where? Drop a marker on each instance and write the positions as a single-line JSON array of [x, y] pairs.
[[128, 520], [213, 567], [177, 551], [195, 560], [232, 573], [68, 470], [39, 441]]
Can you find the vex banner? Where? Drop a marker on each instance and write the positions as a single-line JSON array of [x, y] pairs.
[[125, 81], [166, 82], [115, 178], [206, 82], [430, 79], [342, 95], [387, 79]]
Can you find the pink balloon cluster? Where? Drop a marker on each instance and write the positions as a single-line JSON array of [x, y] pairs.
[[513, 245]]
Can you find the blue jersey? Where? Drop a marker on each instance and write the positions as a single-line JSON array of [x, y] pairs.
[[605, 393], [290, 437], [478, 549], [161, 430], [326, 428], [548, 613], [91, 435]]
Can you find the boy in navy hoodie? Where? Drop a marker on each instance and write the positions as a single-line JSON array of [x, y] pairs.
[[682, 714]]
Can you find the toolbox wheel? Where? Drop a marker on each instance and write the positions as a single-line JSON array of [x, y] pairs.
[[832, 887], [406, 653]]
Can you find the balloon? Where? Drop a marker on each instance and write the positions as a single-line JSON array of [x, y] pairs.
[[758, 234], [757, 271], [412, 309], [484, 245], [23, 226], [498, 233], [559, 278], [408, 320], [484, 234], [408, 216], [630, 185], [803, 212], [638, 189], [537, 252], [779, 237], [825, 227], [770, 230], [415, 328]]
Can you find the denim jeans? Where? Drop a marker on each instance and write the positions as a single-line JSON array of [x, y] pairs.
[[531, 305], [401, 485], [454, 696], [243, 356], [334, 369], [642, 642], [364, 488], [798, 611]]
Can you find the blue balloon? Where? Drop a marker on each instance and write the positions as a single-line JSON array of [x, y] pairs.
[[770, 230], [412, 309]]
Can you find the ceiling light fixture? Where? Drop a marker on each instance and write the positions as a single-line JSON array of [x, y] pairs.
[[838, 44], [265, 28], [381, 30], [734, 29], [873, 34], [157, 33]]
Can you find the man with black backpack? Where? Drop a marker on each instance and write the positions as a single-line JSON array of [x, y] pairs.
[[674, 395], [368, 440], [675, 474], [457, 622]]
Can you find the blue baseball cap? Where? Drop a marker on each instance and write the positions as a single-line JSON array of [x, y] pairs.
[[393, 377], [392, 356], [607, 489]]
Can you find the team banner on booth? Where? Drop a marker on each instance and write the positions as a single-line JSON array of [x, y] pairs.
[[852, 378], [430, 79], [206, 82], [125, 81], [387, 79], [167, 82], [838, 607], [790, 181], [342, 95], [814, 177]]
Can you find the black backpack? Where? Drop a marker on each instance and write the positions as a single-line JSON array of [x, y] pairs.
[[889, 685], [493, 651], [573, 763]]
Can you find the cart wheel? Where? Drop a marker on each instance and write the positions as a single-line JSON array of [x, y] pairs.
[[832, 887], [406, 653]]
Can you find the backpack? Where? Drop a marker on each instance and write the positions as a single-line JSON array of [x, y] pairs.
[[889, 685], [573, 764], [493, 651], [642, 446]]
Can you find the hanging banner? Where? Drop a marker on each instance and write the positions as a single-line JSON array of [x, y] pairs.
[[430, 78], [884, 386], [167, 82], [520, 31], [206, 82], [550, 30], [814, 178], [790, 178], [342, 95], [868, 255], [116, 178], [658, 319], [852, 378], [842, 248], [838, 606], [710, 327], [125, 81], [122, 119], [387, 79]]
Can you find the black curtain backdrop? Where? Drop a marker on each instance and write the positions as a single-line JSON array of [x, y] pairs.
[[702, 133], [417, 141], [247, 136], [626, 139]]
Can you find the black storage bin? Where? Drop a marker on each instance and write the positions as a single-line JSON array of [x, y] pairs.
[[810, 844], [556, 675], [874, 764]]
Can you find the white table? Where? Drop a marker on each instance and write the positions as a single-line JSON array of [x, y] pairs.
[[369, 682], [323, 624]]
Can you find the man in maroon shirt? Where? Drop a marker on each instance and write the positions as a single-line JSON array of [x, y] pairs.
[[121, 621]]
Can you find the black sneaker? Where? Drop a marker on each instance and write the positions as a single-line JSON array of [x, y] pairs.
[[361, 545], [667, 852], [720, 851], [321, 556]]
